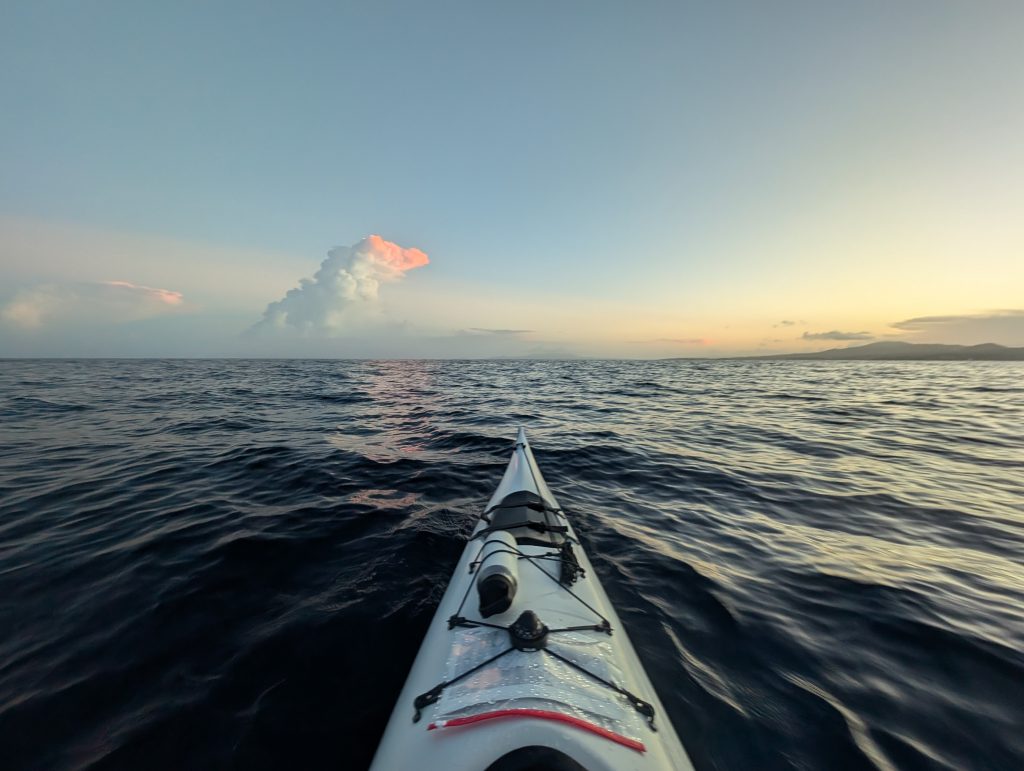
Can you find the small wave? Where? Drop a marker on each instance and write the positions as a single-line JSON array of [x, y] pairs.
[[29, 406]]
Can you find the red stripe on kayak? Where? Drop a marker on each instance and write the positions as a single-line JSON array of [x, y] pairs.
[[542, 714]]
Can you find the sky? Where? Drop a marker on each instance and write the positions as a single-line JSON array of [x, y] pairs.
[[588, 179]]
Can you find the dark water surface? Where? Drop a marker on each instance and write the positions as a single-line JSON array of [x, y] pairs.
[[230, 564]]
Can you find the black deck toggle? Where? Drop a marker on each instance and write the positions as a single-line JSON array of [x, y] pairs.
[[528, 633]]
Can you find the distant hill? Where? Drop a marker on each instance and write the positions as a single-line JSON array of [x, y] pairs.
[[896, 351]]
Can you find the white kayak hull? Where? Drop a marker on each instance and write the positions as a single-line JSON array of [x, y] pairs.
[[552, 704]]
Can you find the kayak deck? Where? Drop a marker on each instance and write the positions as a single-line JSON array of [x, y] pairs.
[[569, 679]]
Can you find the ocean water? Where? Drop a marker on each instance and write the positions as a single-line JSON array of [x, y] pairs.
[[230, 564]]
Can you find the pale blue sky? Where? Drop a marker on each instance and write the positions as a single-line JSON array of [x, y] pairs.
[[698, 161]]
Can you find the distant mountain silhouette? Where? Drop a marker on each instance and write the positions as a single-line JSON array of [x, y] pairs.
[[897, 351]]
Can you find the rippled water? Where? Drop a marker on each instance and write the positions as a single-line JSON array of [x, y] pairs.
[[230, 564]]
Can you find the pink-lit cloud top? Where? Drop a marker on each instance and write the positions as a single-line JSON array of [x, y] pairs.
[[390, 254]]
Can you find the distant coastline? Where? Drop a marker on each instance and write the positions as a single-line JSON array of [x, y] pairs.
[[899, 351], [881, 351]]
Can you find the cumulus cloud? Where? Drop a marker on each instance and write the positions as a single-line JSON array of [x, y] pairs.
[[998, 326], [350, 276], [36, 305], [835, 334]]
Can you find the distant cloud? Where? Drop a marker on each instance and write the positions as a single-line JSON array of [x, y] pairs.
[[351, 275], [165, 296], [998, 326], [34, 306], [835, 334], [673, 341], [489, 331], [926, 322], [788, 323]]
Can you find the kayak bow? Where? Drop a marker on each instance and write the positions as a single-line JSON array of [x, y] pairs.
[[526, 664]]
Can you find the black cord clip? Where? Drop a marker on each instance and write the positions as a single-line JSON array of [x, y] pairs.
[[644, 708], [426, 699]]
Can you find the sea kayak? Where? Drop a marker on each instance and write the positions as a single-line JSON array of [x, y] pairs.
[[526, 665]]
